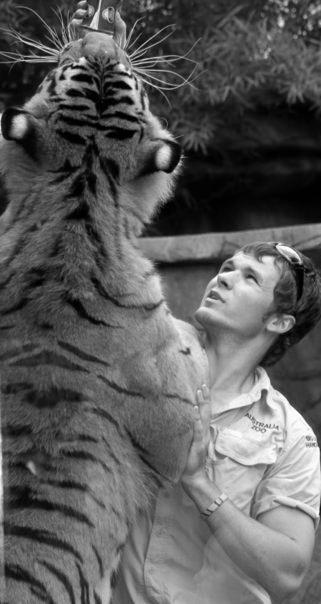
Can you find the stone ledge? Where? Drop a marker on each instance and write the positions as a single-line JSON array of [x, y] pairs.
[[218, 246]]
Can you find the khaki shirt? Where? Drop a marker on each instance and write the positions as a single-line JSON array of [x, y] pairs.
[[262, 454]]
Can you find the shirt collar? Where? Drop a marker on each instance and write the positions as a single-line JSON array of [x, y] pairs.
[[261, 383]]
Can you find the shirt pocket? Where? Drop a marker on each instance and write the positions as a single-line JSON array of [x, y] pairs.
[[237, 462], [244, 448]]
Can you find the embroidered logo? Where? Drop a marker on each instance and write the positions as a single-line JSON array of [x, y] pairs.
[[261, 426]]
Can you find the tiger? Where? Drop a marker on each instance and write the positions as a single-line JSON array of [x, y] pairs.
[[97, 377]]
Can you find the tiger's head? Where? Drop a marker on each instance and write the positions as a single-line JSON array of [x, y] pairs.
[[89, 132]]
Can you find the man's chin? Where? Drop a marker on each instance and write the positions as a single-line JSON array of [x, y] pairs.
[[202, 315]]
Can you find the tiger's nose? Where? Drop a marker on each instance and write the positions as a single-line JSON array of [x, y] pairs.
[[98, 44], [101, 45]]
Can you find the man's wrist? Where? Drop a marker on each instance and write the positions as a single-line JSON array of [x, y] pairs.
[[200, 489], [207, 514], [197, 481]]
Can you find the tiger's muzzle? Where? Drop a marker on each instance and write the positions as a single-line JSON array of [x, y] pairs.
[[103, 46]]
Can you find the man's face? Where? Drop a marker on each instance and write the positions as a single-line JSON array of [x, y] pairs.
[[240, 296]]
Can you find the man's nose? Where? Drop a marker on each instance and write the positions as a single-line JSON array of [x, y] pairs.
[[226, 279]]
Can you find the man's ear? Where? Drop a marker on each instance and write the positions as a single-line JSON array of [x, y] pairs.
[[280, 323]]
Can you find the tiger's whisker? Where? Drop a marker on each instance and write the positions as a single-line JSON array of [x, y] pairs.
[[158, 88], [162, 60], [56, 43], [68, 32], [26, 59], [49, 29], [172, 57], [143, 48], [59, 15], [55, 35], [130, 35], [23, 39], [65, 37], [161, 68], [150, 69], [169, 71], [148, 63], [129, 43], [168, 85]]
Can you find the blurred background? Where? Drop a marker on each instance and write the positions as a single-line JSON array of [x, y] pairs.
[[250, 125]]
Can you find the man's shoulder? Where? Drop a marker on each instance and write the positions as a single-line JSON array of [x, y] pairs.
[[289, 419], [295, 425]]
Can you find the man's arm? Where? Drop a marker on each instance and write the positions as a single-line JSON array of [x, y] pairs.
[[274, 550]]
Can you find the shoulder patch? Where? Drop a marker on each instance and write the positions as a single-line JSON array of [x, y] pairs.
[[310, 440]]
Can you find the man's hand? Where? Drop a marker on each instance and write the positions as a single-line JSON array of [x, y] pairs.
[[82, 12], [195, 466]]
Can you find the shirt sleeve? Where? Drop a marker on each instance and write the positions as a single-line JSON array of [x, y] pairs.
[[294, 480]]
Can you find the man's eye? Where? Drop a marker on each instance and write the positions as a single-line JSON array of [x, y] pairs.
[[251, 276]]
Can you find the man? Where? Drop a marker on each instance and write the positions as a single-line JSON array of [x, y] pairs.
[[239, 529]]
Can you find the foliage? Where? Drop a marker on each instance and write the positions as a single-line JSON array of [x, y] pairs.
[[243, 65], [301, 17]]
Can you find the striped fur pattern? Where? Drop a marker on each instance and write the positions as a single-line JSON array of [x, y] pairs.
[[97, 377]]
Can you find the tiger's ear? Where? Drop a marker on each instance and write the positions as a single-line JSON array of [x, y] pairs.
[[15, 124], [164, 156], [20, 126]]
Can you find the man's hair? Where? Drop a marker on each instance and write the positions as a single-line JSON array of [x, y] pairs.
[[307, 311]]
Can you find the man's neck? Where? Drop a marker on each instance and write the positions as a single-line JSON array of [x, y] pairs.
[[232, 366]]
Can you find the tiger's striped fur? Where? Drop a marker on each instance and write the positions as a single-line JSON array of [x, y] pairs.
[[97, 377]]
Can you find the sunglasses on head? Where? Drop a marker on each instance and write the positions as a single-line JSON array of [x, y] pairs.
[[296, 263]]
